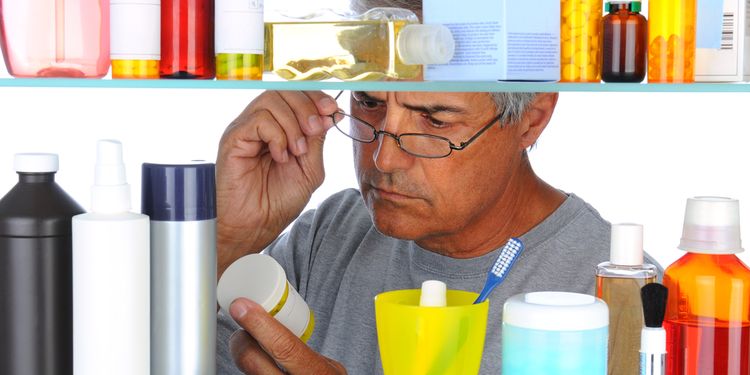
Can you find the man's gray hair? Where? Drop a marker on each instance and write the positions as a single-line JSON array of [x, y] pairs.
[[513, 104]]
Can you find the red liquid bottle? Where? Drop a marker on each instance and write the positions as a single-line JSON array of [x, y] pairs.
[[708, 308], [187, 39]]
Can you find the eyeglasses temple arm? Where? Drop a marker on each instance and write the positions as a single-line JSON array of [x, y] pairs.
[[475, 136]]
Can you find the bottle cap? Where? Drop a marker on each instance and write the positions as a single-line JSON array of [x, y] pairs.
[[179, 192], [425, 44], [556, 311], [626, 246], [711, 226], [261, 279], [111, 192], [36, 163], [433, 294]]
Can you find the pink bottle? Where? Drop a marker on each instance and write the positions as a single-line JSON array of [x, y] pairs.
[[55, 38]]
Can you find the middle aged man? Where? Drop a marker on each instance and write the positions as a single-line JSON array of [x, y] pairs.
[[444, 182]]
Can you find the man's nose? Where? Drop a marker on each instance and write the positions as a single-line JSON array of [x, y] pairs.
[[389, 157]]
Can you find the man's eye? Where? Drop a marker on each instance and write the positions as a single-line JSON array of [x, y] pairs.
[[433, 121], [369, 104]]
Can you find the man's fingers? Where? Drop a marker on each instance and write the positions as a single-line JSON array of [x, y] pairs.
[[249, 356], [280, 343]]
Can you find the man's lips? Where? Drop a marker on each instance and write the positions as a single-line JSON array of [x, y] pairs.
[[391, 194]]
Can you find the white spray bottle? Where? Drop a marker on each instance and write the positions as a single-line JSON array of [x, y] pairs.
[[111, 273]]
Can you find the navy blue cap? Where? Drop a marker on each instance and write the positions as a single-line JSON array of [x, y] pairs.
[[178, 192]]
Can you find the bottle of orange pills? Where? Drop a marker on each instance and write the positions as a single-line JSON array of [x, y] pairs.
[[580, 40], [671, 41]]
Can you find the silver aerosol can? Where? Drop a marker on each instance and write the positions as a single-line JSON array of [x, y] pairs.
[[180, 199]]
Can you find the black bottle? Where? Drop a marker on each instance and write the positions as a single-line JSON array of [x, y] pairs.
[[624, 43], [36, 280]]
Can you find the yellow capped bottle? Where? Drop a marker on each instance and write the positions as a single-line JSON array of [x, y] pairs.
[[671, 41], [580, 40], [135, 47], [383, 43], [239, 39]]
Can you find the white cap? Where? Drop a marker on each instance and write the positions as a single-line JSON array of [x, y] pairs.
[[433, 294], [259, 278], [36, 163], [626, 246], [711, 226], [111, 192], [425, 44], [556, 311]]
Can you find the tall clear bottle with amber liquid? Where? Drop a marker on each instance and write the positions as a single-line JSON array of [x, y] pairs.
[[383, 43], [618, 283]]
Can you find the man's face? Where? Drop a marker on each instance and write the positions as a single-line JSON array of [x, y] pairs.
[[418, 198]]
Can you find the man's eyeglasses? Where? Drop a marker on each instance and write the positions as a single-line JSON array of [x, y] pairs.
[[418, 144]]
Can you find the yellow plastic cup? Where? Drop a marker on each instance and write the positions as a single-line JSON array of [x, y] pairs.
[[416, 340]]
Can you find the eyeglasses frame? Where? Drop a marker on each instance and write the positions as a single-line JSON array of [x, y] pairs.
[[397, 138]]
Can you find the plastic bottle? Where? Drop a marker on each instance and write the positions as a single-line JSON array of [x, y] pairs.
[[36, 281], [625, 42], [708, 307], [554, 333], [55, 38], [239, 39], [619, 283], [671, 41], [580, 40], [111, 275], [135, 38], [260, 278], [187, 39], [381, 43], [180, 199]]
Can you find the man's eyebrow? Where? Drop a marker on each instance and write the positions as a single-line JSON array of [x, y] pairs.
[[430, 109], [427, 108], [362, 95]]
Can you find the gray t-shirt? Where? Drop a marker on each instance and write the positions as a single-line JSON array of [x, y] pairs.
[[339, 262]]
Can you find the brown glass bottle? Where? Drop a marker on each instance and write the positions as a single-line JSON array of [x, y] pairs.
[[625, 42]]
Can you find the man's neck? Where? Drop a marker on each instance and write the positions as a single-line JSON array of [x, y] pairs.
[[526, 202]]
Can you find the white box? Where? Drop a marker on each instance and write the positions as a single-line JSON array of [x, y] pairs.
[[509, 40], [728, 60]]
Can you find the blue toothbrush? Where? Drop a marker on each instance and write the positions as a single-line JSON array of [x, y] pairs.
[[508, 256]]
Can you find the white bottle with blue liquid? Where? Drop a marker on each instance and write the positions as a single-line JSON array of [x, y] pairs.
[[555, 333]]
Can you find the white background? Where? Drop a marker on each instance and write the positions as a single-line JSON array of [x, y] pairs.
[[635, 157]]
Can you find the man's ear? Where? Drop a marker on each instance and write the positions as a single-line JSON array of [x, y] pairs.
[[536, 118]]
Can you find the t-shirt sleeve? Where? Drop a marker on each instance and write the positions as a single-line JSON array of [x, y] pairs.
[[294, 249], [297, 249]]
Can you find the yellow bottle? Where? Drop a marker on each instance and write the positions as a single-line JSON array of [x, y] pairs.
[[384, 43], [671, 41], [239, 39], [580, 40], [135, 38]]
